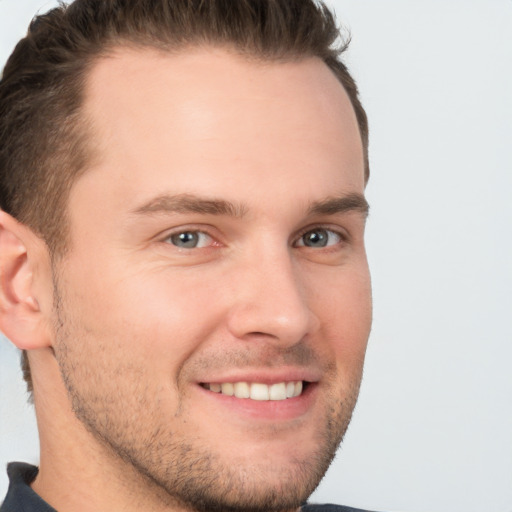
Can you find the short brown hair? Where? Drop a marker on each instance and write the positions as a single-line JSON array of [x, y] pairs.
[[43, 139]]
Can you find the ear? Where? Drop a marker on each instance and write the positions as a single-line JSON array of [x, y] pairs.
[[23, 258]]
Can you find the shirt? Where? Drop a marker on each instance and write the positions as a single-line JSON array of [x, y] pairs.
[[20, 497]]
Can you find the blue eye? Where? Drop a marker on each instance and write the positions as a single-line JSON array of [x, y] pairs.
[[319, 238], [190, 239]]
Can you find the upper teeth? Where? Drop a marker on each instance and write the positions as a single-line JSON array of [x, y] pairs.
[[258, 391]]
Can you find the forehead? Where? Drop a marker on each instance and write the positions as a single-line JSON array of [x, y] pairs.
[[221, 118]]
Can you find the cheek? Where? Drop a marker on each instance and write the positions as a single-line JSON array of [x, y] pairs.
[[346, 317], [158, 316]]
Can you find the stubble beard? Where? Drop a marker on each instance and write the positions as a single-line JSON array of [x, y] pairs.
[[177, 471]]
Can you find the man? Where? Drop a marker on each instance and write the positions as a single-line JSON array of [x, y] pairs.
[[182, 252]]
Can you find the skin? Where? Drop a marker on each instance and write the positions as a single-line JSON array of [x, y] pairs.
[[253, 158]]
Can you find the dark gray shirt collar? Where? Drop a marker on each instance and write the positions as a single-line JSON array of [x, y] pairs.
[[20, 496]]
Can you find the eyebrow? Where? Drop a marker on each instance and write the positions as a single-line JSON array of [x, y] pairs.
[[342, 204], [188, 203]]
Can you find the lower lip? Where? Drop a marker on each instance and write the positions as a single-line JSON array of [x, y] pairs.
[[274, 410]]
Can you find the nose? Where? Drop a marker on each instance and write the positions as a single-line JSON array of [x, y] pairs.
[[270, 301]]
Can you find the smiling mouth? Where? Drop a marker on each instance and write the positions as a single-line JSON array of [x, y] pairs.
[[258, 391]]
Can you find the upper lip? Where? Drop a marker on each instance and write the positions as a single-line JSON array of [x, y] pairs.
[[264, 375]]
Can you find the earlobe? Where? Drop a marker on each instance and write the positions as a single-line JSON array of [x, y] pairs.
[[21, 317]]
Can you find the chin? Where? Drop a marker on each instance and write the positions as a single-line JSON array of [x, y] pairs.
[[253, 488]]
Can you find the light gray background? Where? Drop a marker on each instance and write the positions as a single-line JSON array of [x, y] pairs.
[[433, 428]]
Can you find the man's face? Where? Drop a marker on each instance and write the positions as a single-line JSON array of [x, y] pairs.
[[216, 243]]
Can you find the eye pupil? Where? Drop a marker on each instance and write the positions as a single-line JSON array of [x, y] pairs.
[[187, 239], [317, 238]]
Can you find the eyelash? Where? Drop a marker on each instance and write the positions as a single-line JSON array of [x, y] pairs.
[[199, 232], [341, 234], [342, 237]]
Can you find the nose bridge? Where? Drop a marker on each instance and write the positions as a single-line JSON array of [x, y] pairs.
[[271, 299]]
